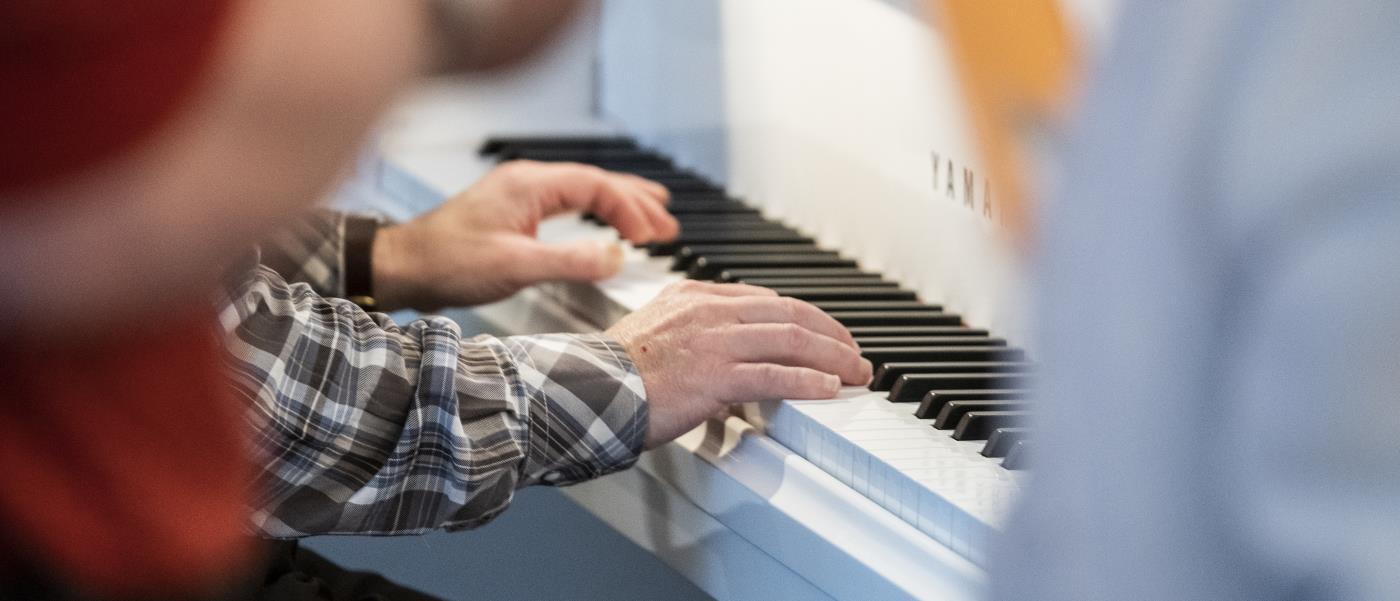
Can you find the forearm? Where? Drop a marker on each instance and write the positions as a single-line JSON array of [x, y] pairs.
[[365, 427]]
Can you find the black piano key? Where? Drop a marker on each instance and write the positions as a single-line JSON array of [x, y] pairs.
[[743, 229], [1017, 457], [729, 222], [740, 248], [846, 293], [755, 226], [910, 388], [864, 282], [887, 375], [883, 355], [592, 156], [888, 341], [1002, 439], [631, 166], [725, 219], [710, 207], [667, 176], [744, 234], [689, 185], [685, 196], [852, 319], [628, 166], [877, 306], [668, 172], [689, 254], [953, 411], [493, 145], [690, 248], [727, 236], [978, 425], [639, 165], [933, 401], [707, 267], [740, 273], [671, 172], [679, 203], [908, 331]]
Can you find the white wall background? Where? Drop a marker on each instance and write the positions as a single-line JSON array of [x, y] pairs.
[[826, 113]]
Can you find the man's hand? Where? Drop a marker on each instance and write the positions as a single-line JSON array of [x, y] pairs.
[[480, 245], [702, 346]]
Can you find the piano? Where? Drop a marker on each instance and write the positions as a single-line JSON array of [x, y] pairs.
[[803, 170], [937, 438]]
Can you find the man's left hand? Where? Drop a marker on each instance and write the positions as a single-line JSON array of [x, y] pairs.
[[480, 245]]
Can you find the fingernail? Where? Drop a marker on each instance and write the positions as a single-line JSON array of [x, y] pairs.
[[833, 383], [612, 258]]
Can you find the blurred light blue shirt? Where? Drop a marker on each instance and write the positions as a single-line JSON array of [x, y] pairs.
[[1220, 310]]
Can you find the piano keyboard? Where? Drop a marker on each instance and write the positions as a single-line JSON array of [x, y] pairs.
[[938, 438]]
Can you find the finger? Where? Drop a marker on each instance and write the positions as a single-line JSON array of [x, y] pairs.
[[733, 289], [716, 289], [581, 261], [625, 211], [654, 190], [747, 382], [576, 187], [650, 198], [758, 309], [661, 220], [796, 346]]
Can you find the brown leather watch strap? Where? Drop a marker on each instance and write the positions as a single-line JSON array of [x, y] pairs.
[[359, 248]]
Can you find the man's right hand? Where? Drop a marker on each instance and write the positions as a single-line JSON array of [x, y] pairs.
[[701, 346]]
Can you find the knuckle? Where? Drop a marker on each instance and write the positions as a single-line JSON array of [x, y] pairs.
[[769, 373], [792, 308], [796, 382], [697, 312], [584, 169], [681, 287], [794, 336], [732, 382], [710, 341], [516, 167]]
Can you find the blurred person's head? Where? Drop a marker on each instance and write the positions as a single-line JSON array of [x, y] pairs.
[[146, 143], [217, 136]]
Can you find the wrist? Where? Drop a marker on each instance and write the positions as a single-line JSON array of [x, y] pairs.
[[390, 269]]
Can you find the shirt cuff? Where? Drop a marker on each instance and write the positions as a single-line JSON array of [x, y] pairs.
[[587, 408]]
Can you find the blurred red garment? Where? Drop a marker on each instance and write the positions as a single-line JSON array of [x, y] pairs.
[[123, 452], [123, 449], [83, 79]]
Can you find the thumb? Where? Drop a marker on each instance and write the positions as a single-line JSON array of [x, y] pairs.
[[584, 260]]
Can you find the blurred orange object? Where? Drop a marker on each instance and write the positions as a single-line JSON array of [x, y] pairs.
[[1016, 61]]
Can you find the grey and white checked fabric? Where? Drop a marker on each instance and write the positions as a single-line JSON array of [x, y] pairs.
[[366, 427]]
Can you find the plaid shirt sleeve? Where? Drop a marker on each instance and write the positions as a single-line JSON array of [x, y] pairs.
[[365, 427], [311, 251]]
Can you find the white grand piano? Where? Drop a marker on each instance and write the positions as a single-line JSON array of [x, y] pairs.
[[834, 121]]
